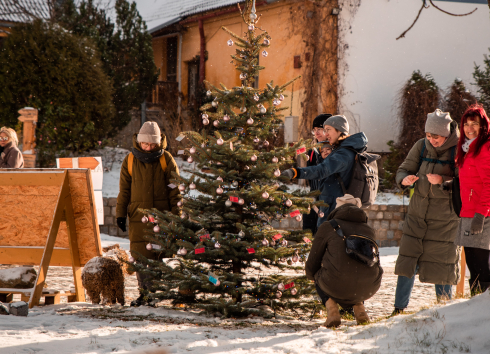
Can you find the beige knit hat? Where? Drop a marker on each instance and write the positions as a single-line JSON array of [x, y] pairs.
[[438, 123], [149, 133], [349, 199]]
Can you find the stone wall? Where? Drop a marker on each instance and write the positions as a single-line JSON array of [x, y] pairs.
[[387, 220]]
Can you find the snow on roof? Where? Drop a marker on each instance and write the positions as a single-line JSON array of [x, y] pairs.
[[159, 14], [23, 10]]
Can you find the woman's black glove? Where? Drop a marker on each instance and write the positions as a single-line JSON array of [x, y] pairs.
[[477, 224], [121, 223]]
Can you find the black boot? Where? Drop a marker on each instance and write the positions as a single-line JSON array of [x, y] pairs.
[[397, 311], [140, 301]]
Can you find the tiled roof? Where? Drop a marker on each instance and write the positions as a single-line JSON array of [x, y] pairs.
[[162, 13], [23, 10]]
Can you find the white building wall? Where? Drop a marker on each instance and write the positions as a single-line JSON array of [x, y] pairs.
[[375, 65]]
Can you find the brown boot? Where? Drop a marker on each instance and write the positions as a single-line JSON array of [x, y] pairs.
[[360, 313], [333, 315]]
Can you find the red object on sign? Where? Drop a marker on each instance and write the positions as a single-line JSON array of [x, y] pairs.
[[294, 213], [276, 237], [199, 250], [301, 151], [290, 285], [306, 239], [202, 237], [234, 199], [250, 250]]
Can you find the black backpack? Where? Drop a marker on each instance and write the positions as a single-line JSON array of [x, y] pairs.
[[365, 181]]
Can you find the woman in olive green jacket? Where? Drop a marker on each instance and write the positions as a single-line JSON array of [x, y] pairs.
[[430, 228], [146, 187]]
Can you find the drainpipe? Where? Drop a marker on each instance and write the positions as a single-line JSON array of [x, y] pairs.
[[179, 108], [202, 53]]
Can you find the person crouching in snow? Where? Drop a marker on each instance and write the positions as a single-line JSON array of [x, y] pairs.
[[144, 185], [339, 279]]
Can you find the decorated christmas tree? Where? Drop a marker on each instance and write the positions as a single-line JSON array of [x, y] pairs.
[[222, 254]]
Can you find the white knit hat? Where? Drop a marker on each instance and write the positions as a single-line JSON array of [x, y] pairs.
[[438, 123], [149, 133], [349, 199]]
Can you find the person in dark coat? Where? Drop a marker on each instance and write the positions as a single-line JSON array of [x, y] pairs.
[[146, 187], [10, 155], [339, 163], [339, 279], [314, 158]]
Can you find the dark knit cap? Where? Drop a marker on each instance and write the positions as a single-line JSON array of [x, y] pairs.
[[320, 119]]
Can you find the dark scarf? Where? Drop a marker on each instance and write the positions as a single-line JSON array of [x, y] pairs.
[[147, 157]]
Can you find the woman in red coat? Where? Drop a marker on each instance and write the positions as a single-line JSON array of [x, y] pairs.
[[473, 160]]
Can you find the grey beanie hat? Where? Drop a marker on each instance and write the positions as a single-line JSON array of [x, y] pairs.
[[338, 122], [149, 133], [438, 123]]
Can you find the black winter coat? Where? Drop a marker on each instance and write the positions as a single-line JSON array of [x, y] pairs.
[[342, 278]]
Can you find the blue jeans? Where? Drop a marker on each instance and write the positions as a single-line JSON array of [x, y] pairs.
[[404, 288]]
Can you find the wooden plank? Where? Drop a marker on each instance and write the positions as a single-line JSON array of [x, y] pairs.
[[29, 112], [460, 286], [33, 256], [75, 254], [88, 162], [48, 251], [28, 178], [66, 162], [93, 208]]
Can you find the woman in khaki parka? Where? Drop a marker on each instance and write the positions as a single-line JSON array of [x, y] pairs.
[[431, 225], [10, 155], [146, 187]]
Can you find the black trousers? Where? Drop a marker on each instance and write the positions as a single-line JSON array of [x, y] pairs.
[[478, 261]]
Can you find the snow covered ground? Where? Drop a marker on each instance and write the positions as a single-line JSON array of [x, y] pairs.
[[458, 327]]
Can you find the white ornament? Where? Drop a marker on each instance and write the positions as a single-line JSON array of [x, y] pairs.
[[156, 228], [256, 140], [235, 184], [182, 251], [217, 245], [266, 41], [275, 160], [190, 159], [241, 233], [284, 243], [288, 203], [321, 214], [131, 259], [243, 109], [205, 121], [230, 42], [253, 157], [219, 179], [265, 242], [219, 190], [226, 117], [251, 27], [247, 168], [241, 201], [149, 247], [294, 291], [281, 97], [228, 203], [298, 218], [264, 53], [280, 286], [216, 123], [204, 116], [192, 150], [250, 121], [144, 219], [278, 294], [208, 93], [192, 186], [181, 187], [277, 173], [263, 110], [265, 195], [243, 76], [276, 102], [214, 103], [256, 97], [220, 141]]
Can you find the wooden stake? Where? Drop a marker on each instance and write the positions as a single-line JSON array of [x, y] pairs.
[[460, 286]]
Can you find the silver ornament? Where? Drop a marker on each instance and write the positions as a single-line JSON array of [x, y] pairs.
[[241, 201], [251, 27], [294, 291], [278, 294], [149, 247], [247, 168], [298, 218], [190, 159], [263, 110], [256, 97], [228, 203], [226, 117], [265, 242], [156, 228], [235, 184], [241, 233], [214, 103], [217, 245], [288, 203], [243, 109], [264, 53], [295, 258], [219, 179], [321, 214], [208, 93], [216, 123], [179, 203], [219, 190], [205, 121], [181, 187], [266, 41], [220, 141], [271, 199], [280, 286], [275, 160], [250, 121], [281, 97], [284, 243], [144, 219], [243, 76], [192, 150], [253, 157], [277, 173], [192, 186], [276, 102], [204, 116], [266, 143], [256, 140], [131, 259], [265, 195], [230, 43]]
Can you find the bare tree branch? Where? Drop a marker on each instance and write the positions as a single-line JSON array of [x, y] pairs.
[[449, 13], [416, 19]]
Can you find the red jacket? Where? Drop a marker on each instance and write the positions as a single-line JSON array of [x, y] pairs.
[[474, 178]]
